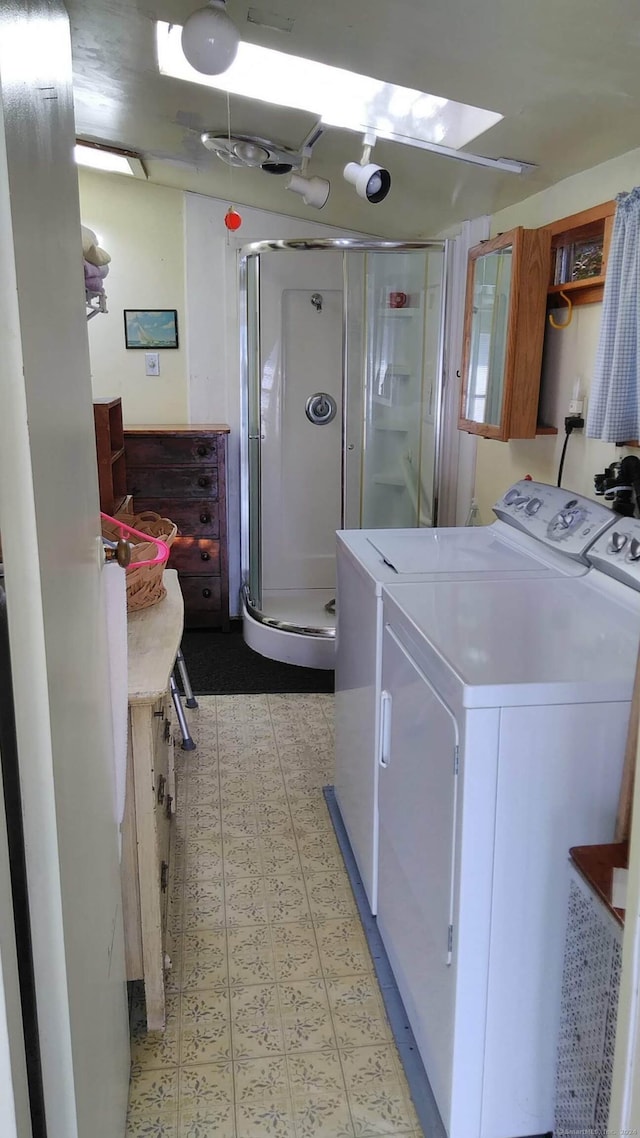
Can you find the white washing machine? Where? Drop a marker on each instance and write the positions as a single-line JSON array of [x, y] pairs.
[[542, 532], [504, 713]]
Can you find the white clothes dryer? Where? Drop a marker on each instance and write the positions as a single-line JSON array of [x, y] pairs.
[[541, 532], [504, 713]]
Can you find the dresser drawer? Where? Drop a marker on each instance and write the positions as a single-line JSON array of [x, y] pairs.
[[181, 474], [172, 482], [160, 450], [195, 555], [202, 595], [199, 517]]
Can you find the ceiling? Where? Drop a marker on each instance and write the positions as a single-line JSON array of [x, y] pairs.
[[564, 73]]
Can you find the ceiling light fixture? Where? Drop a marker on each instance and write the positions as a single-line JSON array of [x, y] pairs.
[[210, 39], [253, 152], [371, 182], [108, 159], [313, 191]]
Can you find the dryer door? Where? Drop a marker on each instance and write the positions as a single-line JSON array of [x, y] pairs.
[[417, 819]]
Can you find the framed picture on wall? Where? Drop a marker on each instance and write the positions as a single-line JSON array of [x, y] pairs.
[[151, 328]]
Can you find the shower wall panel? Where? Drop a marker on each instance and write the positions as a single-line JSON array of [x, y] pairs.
[[301, 354]]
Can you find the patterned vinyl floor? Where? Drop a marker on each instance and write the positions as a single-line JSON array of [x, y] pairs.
[[276, 1025]]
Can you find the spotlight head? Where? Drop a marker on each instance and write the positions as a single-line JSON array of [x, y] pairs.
[[210, 39], [313, 191], [371, 182]]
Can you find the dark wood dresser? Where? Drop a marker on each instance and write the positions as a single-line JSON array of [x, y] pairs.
[[180, 472]]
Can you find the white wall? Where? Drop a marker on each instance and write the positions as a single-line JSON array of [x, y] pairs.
[[568, 354], [213, 327], [142, 227]]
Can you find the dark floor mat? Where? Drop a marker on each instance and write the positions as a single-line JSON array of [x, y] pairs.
[[220, 663]]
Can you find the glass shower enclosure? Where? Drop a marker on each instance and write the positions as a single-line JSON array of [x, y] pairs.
[[342, 362]]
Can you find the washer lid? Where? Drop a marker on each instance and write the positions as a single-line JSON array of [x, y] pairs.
[[534, 641], [466, 553], [449, 551]]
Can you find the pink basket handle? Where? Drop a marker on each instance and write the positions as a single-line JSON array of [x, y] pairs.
[[163, 548]]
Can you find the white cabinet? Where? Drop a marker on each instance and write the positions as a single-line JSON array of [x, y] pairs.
[[153, 641]]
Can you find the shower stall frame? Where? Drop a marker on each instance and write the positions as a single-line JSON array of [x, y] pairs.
[[273, 637]]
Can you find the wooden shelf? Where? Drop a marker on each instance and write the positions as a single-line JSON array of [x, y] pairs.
[[590, 224], [596, 864], [587, 291], [112, 471], [542, 429]]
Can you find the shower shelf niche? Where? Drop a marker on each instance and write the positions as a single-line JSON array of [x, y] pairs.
[[390, 480], [397, 313]]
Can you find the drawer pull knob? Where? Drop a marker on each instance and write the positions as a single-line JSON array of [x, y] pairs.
[[205, 556], [203, 482], [169, 806], [204, 518], [164, 876], [162, 782], [202, 451], [159, 714], [206, 593]]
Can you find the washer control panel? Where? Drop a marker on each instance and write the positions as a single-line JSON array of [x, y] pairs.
[[617, 552], [554, 516]]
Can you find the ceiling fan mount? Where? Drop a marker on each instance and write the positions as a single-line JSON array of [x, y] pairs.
[[245, 150]]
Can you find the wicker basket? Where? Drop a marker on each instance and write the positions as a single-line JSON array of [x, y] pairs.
[[144, 582]]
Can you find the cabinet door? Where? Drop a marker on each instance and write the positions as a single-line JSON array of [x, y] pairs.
[[417, 818], [504, 323]]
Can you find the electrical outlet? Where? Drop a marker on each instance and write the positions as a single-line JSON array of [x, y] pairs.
[[152, 363], [576, 406]]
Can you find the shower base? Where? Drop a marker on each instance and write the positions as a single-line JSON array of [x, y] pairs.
[[309, 641]]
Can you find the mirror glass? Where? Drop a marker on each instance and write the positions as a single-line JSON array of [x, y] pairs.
[[488, 345]]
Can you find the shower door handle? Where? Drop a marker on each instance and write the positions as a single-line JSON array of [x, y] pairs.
[[256, 436]]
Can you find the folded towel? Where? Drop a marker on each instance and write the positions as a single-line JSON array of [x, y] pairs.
[[92, 252], [92, 278]]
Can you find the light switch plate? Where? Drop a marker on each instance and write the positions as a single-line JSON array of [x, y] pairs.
[[152, 363]]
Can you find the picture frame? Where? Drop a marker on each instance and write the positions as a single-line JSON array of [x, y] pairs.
[[149, 329]]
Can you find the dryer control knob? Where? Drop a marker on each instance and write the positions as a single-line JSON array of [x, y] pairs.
[[618, 542], [634, 550]]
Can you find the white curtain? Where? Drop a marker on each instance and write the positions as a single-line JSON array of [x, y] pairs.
[[614, 406]]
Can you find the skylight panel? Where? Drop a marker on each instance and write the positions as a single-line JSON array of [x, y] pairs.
[[108, 161], [338, 97]]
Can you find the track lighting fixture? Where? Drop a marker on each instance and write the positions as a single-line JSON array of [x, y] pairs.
[[210, 39], [371, 182], [313, 191]]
